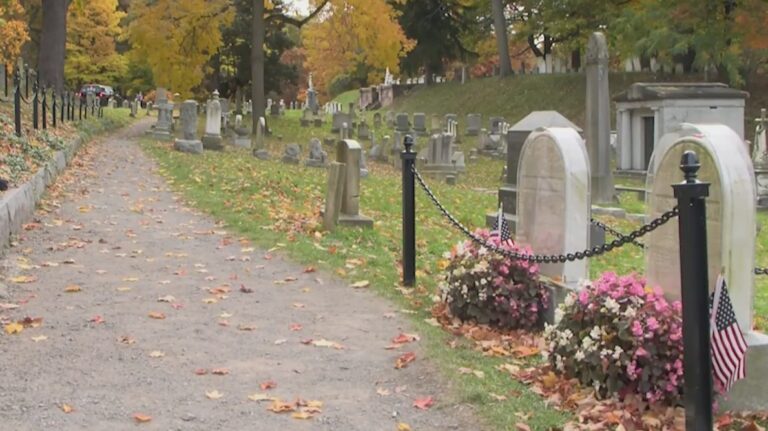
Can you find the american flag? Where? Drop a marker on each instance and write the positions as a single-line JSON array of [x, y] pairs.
[[728, 343], [500, 226]]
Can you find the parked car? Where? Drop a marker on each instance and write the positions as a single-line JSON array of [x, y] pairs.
[[102, 92]]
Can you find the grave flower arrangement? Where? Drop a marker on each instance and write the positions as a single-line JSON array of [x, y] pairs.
[[621, 337], [488, 288]]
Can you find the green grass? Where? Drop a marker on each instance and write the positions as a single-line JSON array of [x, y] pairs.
[[347, 97]]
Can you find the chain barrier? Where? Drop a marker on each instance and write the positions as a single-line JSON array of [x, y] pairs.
[[561, 258], [614, 232], [761, 271]]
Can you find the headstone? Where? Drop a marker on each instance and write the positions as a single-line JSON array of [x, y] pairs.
[[363, 131], [274, 110], [390, 119], [598, 121], [495, 123], [401, 123], [344, 132], [397, 148], [242, 134], [212, 137], [363, 165], [350, 153], [224, 113], [291, 154], [126, 104], [189, 143], [338, 119], [259, 147], [317, 157], [163, 126], [458, 161], [420, 123], [435, 125], [334, 195], [447, 118], [474, 123], [134, 108], [731, 236], [377, 120], [553, 200], [306, 117]]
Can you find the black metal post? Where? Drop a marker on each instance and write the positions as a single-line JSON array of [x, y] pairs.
[[5, 78], [80, 107], [53, 108], [409, 212], [17, 103], [93, 106], [694, 282], [63, 106], [35, 107], [45, 109], [26, 81], [71, 106]]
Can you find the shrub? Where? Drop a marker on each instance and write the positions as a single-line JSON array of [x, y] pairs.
[[339, 84], [621, 337], [486, 287]]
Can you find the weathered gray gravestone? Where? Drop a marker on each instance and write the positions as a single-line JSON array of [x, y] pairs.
[[350, 153], [495, 123], [598, 121], [435, 125], [363, 131], [291, 154], [390, 119], [189, 143], [242, 134], [334, 195], [401, 123], [420, 123], [474, 123], [377, 120], [317, 157], [212, 137], [553, 200], [338, 119], [259, 150], [134, 108]]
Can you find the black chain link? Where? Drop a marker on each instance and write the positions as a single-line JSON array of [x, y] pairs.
[[614, 232], [570, 257], [761, 271]]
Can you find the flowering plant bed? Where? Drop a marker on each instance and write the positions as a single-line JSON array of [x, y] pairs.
[[620, 337], [488, 288]]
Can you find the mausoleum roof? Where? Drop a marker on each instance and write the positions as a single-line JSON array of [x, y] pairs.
[[537, 119], [641, 91]]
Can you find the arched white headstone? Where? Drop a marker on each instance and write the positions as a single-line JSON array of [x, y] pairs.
[[731, 229], [553, 199]]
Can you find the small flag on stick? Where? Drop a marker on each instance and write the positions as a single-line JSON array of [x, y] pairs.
[[500, 226], [728, 344]]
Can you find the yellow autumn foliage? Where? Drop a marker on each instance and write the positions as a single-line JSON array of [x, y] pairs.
[[13, 31], [177, 38], [351, 33], [91, 34]]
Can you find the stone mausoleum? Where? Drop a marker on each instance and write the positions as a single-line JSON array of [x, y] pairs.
[[649, 110]]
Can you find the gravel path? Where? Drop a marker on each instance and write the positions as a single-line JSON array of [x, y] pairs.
[[112, 229]]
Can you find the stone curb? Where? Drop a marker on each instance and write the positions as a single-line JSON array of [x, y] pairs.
[[17, 206]]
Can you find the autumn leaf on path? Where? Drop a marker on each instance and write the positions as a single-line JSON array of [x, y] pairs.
[[260, 397], [72, 288], [156, 315], [201, 371], [166, 298], [269, 384], [214, 394], [295, 327], [23, 279], [156, 354], [522, 427], [423, 403], [405, 359], [66, 408], [13, 328], [141, 418], [402, 339], [39, 338], [360, 284], [326, 343], [220, 371], [302, 415], [402, 426], [279, 406], [309, 269]]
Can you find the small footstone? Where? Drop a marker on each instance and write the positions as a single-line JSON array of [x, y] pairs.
[[185, 146]]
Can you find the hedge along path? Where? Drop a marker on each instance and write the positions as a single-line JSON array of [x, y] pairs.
[[152, 313]]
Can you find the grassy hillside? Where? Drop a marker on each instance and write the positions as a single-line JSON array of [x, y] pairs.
[[515, 97]]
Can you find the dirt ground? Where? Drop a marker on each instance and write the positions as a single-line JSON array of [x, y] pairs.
[[139, 295]]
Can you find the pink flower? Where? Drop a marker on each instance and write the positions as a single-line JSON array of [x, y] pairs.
[[584, 297], [637, 329], [640, 352], [652, 324], [676, 334]]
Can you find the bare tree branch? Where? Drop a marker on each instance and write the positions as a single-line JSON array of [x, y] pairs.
[[297, 22]]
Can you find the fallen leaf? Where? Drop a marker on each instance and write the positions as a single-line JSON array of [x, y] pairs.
[[166, 298], [280, 341], [302, 415], [423, 403], [402, 426], [269, 384], [295, 327], [220, 371], [405, 338], [245, 289], [66, 408], [260, 397], [382, 392], [522, 427], [309, 269], [39, 338], [326, 343], [13, 328], [156, 315], [201, 371], [497, 397], [244, 327], [278, 406], [156, 354], [72, 288], [360, 284], [405, 359], [22, 279], [141, 418], [214, 394]]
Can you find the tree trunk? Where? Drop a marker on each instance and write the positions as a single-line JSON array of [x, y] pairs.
[[257, 63], [53, 44], [500, 27]]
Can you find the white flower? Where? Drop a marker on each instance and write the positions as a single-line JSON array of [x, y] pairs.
[[579, 355], [605, 353], [460, 249], [630, 312], [570, 300], [617, 352], [588, 344], [612, 305], [559, 313], [545, 355], [559, 363], [596, 333], [482, 251], [596, 385]]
